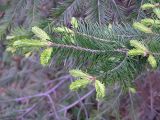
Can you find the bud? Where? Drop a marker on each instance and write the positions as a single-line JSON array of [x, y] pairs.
[[141, 27], [74, 22], [63, 30], [147, 6], [40, 33], [29, 43], [157, 12], [149, 22], [78, 73], [137, 44], [135, 52], [46, 56], [100, 90], [152, 61], [81, 83], [132, 90]]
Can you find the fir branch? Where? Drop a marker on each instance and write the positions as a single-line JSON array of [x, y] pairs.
[[76, 48], [50, 44]]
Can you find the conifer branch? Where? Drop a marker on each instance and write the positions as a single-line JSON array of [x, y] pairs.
[[51, 44]]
